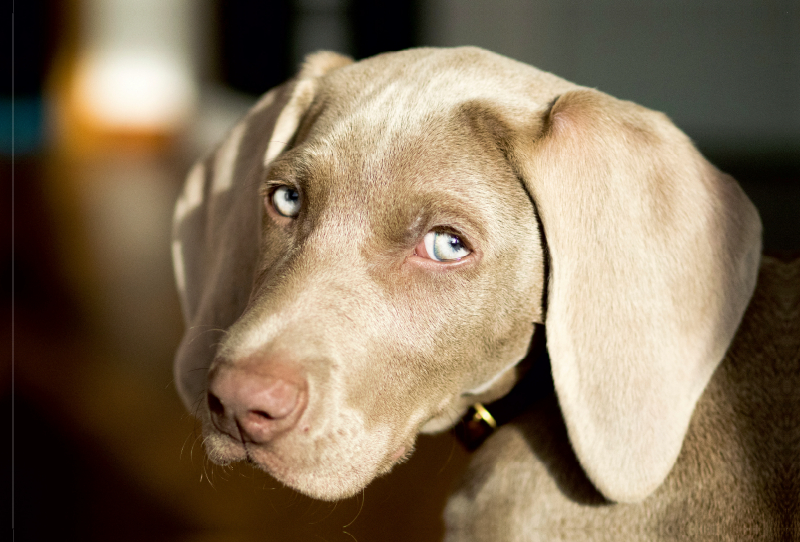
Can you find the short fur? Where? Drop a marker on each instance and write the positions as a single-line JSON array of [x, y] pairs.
[[648, 262]]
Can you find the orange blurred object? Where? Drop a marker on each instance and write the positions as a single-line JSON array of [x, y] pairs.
[[127, 78]]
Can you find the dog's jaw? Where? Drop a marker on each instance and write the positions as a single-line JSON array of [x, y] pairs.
[[329, 464]]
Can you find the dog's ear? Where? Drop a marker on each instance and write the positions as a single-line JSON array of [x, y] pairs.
[[215, 239], [653, 259]]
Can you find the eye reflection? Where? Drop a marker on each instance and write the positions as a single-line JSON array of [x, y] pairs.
[[286, 201], [444, 247]]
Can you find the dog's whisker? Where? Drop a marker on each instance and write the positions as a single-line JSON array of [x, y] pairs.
[[183, 447], [211, 330], [205, 471], [201, 440], [330, 512], [363, 498], [449, 457]]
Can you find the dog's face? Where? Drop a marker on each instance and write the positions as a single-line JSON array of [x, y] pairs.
[[399, 276], [369, 245]]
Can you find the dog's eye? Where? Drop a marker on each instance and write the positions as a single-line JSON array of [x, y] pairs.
[[443, 247], [286, 200]]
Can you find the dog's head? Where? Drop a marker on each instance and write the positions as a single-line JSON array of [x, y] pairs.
[[366, 253]]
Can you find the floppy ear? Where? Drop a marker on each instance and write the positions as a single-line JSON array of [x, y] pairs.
[[654, 255], [215, 240]]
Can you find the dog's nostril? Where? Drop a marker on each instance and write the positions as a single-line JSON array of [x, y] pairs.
[[253, 406], [262, 414], [215, 405]]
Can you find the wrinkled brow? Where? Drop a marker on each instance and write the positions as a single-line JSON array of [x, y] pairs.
[[290, 165]]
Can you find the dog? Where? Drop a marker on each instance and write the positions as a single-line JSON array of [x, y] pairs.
[[372, 249]]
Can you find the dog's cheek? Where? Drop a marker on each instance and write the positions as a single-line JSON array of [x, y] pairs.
[[432, 347], [494, 339], [502, 359], [275, 245]]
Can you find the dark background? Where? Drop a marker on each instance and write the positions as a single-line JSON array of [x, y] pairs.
[[102, 448]]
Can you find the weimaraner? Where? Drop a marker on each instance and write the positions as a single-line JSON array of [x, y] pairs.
[[371, 249]]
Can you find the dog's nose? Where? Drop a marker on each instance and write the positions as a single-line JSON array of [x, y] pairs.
[[255, 407]]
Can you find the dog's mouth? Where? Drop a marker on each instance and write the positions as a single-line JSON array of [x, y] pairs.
[[330, 465]]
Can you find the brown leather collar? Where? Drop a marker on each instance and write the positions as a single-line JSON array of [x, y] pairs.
[[481, 420]]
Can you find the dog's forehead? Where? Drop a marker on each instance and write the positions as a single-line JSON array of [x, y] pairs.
[[395, 172], [410, 117], [422, 81]]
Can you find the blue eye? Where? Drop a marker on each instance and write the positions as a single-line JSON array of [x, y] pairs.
[[445, 247], [286, 201]]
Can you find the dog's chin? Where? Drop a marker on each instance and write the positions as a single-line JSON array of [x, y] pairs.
[[327, 477]]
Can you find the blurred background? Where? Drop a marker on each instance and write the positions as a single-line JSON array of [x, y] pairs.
[[110, 102]]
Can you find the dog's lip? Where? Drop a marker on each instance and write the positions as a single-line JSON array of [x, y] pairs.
[[270, 462], [223, 449], [227, 450]]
